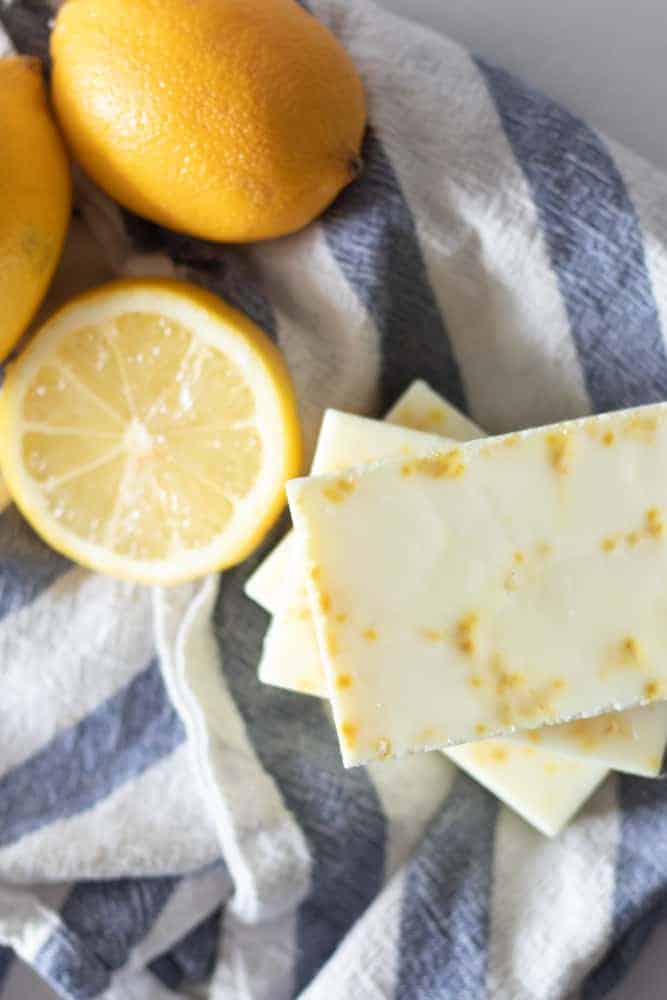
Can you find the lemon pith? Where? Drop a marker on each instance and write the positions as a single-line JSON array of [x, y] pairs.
[[148, 430]]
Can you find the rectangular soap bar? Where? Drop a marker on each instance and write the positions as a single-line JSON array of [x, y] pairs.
[[545, 789], [419, 408], [498, 585], [542, 786], [264, 585], [291, 656], [632, 741]]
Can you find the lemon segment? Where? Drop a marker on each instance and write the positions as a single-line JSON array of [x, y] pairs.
[[148, 431]]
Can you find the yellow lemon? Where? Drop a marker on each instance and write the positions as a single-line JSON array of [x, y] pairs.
[[35, 196], [147, 431], [232, 120]]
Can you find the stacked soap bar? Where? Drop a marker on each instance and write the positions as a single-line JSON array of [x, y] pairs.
[[533, 775], [632, 741], [491, 586]]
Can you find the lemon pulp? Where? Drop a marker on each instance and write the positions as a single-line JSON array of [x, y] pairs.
[[148, 432]]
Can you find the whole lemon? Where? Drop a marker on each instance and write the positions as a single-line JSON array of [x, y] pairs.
[[232, 120], [35, 196]]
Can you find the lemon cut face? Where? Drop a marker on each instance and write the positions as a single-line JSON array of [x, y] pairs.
[[148, 431]]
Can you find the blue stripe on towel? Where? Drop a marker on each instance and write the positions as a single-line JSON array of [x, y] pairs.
[[28, 24], [27, 565], [79, 766], [103, 922], [338, 810], [640, 893], [594, 241], [622, 956], [112, 917], [445, 912], [223, 269], [6, 959], [70, 968], [371, 233], [192, 959]]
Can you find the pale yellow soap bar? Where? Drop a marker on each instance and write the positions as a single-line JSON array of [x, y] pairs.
[[494, 586], [632, 741], [422, 409], [264, 586], [419, 408], [542, 786], [545, 789], [291, 657]]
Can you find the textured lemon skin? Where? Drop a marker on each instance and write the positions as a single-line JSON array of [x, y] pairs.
[[232, 120], [267, 355], [35, 196]]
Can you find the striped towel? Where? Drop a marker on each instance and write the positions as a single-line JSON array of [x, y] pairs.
[[167, 824]]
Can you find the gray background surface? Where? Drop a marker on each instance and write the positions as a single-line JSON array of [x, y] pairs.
[[604, 58]]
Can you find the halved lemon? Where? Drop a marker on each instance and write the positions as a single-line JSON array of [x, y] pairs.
[[147, 431]]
